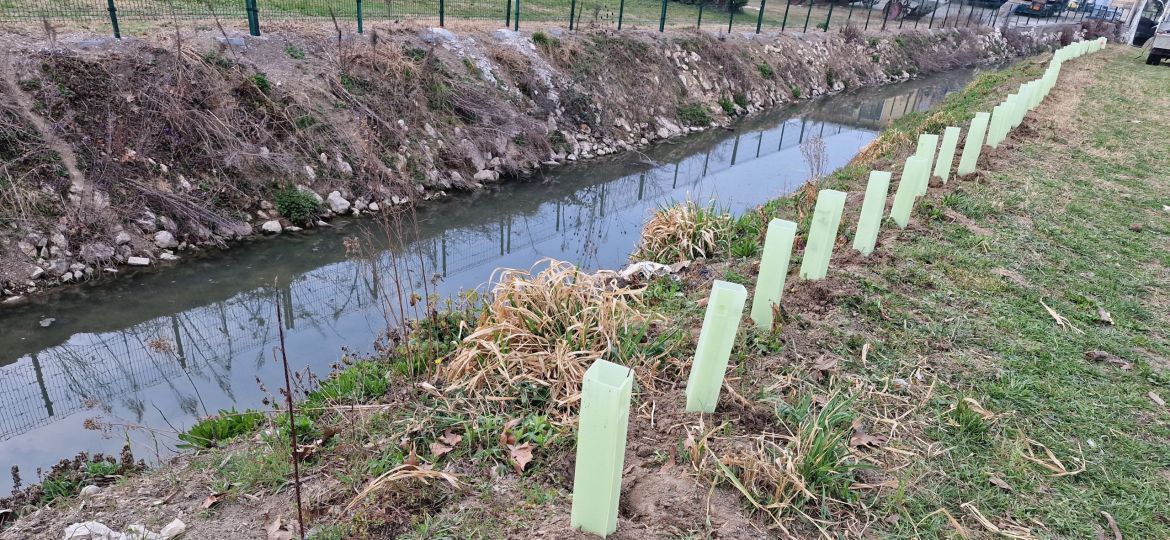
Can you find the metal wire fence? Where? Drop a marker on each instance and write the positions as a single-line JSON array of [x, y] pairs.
[[782, 15]]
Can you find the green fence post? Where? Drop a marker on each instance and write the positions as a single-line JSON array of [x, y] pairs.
[[359, 14], [868, 14], [849, 17], [829, 17], [662, 18], [730, 18], [808, 15], [932, 14], [621, 13], [508, 14], [773, 271], [442, 14], [114, 19], [784, 23], [572, 13], [872, 208], [822, 234], [516, 18], [760, 18], [974, 143], [601, 447], [254, 20], [716, 338], [701, 6]]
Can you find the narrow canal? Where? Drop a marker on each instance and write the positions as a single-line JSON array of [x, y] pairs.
[[151, 352]]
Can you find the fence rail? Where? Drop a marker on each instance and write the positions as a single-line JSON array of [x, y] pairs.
[[782, 15]]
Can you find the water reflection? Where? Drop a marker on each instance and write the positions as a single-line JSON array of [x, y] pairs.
[[158, 350]]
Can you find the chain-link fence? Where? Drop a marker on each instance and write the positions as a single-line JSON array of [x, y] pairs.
[[722, 15]]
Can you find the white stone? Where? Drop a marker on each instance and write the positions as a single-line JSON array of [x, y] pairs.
[[173, 529], [122, 238], [138, 261], [90, 490], [374, 207], [165, 240], [168, 256], [36, 273], [91, 530], [271, 227], [486, 175], [337, 203]]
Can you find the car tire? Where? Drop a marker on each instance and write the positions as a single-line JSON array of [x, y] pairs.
[[1153, 59]]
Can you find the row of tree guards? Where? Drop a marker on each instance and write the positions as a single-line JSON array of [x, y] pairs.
[[606, 390]]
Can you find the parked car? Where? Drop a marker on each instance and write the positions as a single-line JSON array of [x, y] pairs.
[[1106, 14], [1145, 31], [988, 4], [1041, 8], [1160, 48]]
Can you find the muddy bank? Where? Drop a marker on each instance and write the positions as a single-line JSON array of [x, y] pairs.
[[134, 152]]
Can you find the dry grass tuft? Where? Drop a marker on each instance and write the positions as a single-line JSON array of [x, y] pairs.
[[540, 333], [684, 232], [398, 475]]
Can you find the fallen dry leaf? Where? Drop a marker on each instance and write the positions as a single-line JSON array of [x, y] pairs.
[[1104, 316], [212, 500], [438, 449], [275, 529], [1106, 358], [521, 455], [1000, 483], [825, 363], [1156, 398], [451, 439], [862, 439], [506, 436]]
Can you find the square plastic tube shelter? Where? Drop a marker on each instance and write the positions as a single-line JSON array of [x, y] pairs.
[[946, 153], [773, 271], [872, 208], [822, 234], [927, 144], [601, 447], [906, 194], [720, 324], [974, 144]]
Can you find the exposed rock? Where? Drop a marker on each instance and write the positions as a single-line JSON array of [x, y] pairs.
[[28, 249], [91, 490], [337, 203], [37, 239], [36, 273], [165, 240], [167, 223], [58, 239], [373, 207], [138, 261], [13, 300], [168, 256], [58, 267], [97, 252], [45, 323], [272, 227], [486, 175], [91, 530], [123, 238], [314, 194], [173, 529]]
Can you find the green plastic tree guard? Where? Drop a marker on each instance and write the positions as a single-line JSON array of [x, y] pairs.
[[974, 144], [720, 324], [907, 191], [946, 153], [601, 447], [822, 234], [927, 144], [998, 120], [872, 208], [773, 271]]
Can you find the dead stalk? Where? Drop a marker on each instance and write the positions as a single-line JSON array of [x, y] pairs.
[[292, 424]]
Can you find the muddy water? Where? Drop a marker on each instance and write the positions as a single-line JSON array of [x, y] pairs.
[[149, 353]]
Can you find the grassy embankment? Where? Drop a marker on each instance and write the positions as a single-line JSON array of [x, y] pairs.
[[924, 392]]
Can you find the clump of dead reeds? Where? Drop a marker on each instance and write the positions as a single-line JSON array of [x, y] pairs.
[[540, 332], [684, 232]]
